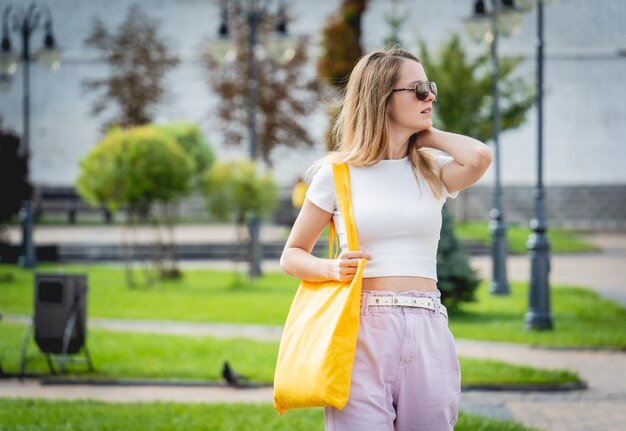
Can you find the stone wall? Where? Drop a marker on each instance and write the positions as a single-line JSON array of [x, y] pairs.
[[597, 207]]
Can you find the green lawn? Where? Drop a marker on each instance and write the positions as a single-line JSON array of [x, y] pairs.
[[40, 415], [200, 296], [581, 318], [133, 355], [561, 240], [210, 296]]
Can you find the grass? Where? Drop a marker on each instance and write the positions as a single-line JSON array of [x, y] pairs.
[[205, 295], [136, 355], [561, 240], [133, 355], [219, 296], [581, 319], [41, 415]]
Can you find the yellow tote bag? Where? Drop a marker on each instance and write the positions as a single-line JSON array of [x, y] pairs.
[[316, 352]]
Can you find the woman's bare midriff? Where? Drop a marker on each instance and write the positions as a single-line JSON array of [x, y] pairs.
[[400, 284]]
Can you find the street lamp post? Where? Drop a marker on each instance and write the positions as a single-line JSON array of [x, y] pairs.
[[504, 19], [26, 22], [253, 11], [538, 315]]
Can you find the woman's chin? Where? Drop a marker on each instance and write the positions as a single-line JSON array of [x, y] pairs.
[[426, 124]]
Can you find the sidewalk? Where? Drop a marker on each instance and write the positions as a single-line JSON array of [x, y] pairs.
[[189, 234]]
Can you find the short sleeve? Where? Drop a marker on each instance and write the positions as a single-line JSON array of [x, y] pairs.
[[321, 191], [441, 160]]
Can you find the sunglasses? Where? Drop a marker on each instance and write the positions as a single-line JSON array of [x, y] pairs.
[[422, 90]]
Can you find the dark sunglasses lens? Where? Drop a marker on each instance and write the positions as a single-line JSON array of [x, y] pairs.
[[423, 90]]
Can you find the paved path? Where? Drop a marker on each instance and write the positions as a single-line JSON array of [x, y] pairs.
[[172, 327], [600, 407], [604, 271], [188, 234]]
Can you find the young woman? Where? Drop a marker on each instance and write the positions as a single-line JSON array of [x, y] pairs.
[[406, 373]]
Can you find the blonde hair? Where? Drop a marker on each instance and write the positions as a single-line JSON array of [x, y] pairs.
[[361, 127]]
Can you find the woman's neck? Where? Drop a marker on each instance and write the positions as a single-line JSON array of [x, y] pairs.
[[398, 144]]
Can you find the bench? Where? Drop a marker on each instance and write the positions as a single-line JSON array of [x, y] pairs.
[[64, 200]]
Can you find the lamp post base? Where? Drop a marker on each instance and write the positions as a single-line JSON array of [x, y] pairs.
[[538, 315], [538, 320]]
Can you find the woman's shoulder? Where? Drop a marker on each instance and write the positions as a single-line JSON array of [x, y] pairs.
[[321, 170]]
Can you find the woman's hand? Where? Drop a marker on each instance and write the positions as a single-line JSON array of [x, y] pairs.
[[344, 267], [426, 138]]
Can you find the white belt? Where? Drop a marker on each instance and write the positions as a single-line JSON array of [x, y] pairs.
[[405, 301]]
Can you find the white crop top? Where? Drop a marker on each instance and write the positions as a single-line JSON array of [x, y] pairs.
[[398, 222]]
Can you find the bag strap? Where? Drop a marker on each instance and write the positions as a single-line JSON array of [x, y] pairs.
[[341, 175]]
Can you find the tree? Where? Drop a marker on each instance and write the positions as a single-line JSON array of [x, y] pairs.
[[341, 49], [341, 43], [464, 85], [465, 107], [394, 21], [135, 169], [191, 140], [457, 281], [138, 60], [16, 187], [235, 190], [285, 94]]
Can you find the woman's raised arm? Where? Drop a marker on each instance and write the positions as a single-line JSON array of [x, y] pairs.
[[471, 157]]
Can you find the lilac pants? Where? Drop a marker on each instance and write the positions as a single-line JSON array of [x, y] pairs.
[[406, 373]]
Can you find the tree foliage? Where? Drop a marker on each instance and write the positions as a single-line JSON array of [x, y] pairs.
[[465, 97], [394, 21], [234, 190], [192, 141], [16, 187], [138, 59], [285, 94], [135, 168], [341, 43], [341, 49], [457, 281]]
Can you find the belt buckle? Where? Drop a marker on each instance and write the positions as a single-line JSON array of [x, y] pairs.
[[402, 301]]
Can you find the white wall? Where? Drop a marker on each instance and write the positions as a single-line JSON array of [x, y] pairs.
[[584, 103]]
